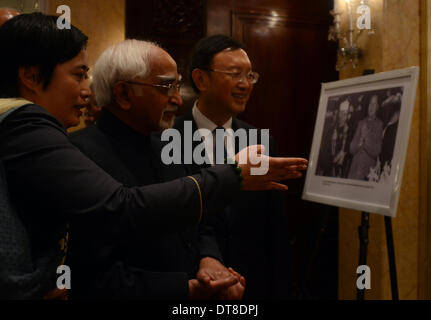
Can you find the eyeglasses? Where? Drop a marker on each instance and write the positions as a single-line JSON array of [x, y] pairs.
[[168, 89], [251, 77]]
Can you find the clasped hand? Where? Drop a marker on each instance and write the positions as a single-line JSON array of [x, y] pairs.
[[215, 281]]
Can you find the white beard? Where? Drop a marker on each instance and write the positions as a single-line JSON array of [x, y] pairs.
[[167, 124]]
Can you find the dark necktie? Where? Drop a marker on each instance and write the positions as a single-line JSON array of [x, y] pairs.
[[219, 145]]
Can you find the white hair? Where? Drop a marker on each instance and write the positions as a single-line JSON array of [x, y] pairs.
[[123, 61]]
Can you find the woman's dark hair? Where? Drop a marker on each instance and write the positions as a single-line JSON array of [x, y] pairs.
[[206, 49], [35, 40]]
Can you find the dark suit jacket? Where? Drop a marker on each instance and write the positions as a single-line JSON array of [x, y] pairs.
[[247, 230], [51, 182], [134, 160]]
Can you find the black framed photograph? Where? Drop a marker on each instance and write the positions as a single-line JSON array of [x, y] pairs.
[[360, 141]]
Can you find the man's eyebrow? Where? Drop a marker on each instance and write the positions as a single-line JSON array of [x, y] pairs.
[[231, 67], [167, 77]]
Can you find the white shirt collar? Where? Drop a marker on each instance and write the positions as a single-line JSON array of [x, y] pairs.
[[203, 122]]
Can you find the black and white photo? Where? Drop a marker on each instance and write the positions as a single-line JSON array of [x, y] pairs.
[[359, 135], [360, 141]]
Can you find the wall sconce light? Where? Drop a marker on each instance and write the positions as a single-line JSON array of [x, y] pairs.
[[36, 6], [348, 41], [23, 5]]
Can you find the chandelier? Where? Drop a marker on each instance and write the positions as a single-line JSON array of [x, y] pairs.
[[349, 51], [24, 7]]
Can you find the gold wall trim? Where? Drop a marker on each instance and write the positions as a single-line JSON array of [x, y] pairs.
[[425, 212]]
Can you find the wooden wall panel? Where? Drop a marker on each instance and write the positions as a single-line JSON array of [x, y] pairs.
[[175, 25], [286, 52]]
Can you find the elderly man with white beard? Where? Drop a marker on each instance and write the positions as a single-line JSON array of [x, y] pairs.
[[137, 84]]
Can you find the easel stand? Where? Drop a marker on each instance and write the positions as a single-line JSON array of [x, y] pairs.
[[363, 247], [391, 256]]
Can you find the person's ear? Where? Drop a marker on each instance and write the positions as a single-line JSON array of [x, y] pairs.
[[122, 94], [29, 78], [201, 79]]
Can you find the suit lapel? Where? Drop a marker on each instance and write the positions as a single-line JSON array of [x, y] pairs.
[[165, 172], [195, 144], [189, 117], [235, 127]]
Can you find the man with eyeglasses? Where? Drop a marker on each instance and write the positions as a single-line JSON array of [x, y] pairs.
[[137, 84], [221, 74]]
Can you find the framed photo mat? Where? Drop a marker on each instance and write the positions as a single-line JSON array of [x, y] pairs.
[[364, 180]]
